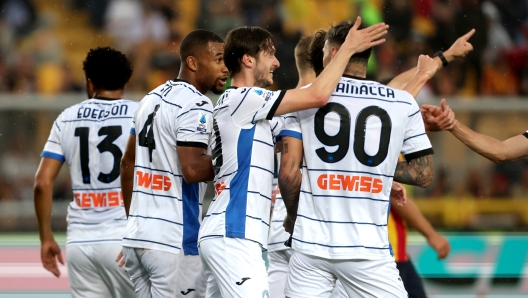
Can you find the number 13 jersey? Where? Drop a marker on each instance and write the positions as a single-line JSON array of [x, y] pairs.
[[351, 148], [90, 137]]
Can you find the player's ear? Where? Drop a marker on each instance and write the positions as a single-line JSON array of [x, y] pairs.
[[192, 63], [248, 61], [333, 51], [90, 88]]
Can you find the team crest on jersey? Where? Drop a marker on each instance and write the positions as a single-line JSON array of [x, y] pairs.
[[202, 122]]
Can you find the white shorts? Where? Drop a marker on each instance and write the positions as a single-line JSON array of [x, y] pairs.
[[234, 268], [94, 273], [161, 274], [279, 261], [312, 276]]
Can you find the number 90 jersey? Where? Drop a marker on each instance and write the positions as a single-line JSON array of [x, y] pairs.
[[351, 148], [165, 212], [91, 137]]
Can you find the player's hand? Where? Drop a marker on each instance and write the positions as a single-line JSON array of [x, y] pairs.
[[461, 47], [440, 244], [438, 118], [120, 259], [288, 224], [427, 67], [398, 194], [360, 40], [49, 250]]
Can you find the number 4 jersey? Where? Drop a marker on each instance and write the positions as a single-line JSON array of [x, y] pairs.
[[165, 212], [351, 148], [90, 137]]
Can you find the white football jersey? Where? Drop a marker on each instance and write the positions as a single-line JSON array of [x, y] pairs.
[[91, 137], [351, 148], [242, 144], [165, 213], [277, 235]]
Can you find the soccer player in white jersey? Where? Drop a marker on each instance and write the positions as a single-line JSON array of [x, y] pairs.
[[90, 137], [236, 226], [162, 169], [350, 150]]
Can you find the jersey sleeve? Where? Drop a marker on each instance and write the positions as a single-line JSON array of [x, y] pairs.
[[415, 142], [53, 147], [194, 123], [276, 124], [253, 104], [291, 126]]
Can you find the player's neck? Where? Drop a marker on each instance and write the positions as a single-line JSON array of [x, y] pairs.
[[190, 78], [305, 79], [356, 70], [109, 94], [243, 79]]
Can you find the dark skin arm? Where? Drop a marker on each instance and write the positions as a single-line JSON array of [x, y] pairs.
[[196, 165], [127, 172], [290, 178], [418, 172], [43, 196]]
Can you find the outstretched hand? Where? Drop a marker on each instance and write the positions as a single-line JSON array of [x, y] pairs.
[[461, 47], [360, 40], [438, 118], [398, 194]]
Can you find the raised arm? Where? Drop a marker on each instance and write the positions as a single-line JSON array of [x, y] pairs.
[[127, 171], [491, 148], [459, 49], [290, 178], [425, 70], [43, 196], [319, 92]]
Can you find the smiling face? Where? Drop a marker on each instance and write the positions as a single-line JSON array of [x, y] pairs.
[[212, 70], [266, 63]]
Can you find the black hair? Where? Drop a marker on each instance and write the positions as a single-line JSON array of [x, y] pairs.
[[196, 41], [108, 69], [314, 55], [337, 35], [245, 40]]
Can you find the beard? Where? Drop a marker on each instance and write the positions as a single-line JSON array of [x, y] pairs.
[[262, 79]]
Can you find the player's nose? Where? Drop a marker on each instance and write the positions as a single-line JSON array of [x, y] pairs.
[[276, 62]]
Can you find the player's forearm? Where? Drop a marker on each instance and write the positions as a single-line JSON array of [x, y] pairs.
[[405, 77], [290, 186], [418, 172], [486, 146], [416, 83], [325, 84], [127, 183], [414, 218], [201, 170], [43, 197]]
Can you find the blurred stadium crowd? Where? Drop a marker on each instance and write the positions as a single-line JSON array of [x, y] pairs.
[[42, 44], [41, 40]]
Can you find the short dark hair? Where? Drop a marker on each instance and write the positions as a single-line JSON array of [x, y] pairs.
[[314, 55], [245, 40], [302, 47], [337, 35], [108, 69], [197, 40]]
